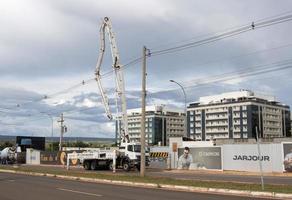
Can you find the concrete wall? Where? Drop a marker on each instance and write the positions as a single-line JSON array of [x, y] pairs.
[[32, 156], [238, 157], [245, 157]]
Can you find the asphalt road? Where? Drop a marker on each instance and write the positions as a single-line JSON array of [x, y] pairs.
[[188, 175], [192, 175], [18, 187]]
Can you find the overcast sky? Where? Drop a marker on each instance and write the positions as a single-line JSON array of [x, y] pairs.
[[47, 46]]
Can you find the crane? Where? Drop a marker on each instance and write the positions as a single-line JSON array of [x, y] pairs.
[[106, 28]]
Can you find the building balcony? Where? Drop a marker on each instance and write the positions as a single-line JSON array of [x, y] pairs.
[[236, 123], [217, 132], [273, 133], [216, 111], [273, 119], [272, 125], [216, 118], [238, 116], [217, 125], [273, 112], [239, 130]]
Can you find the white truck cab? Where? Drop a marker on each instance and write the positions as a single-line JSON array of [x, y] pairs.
[[131, 154]]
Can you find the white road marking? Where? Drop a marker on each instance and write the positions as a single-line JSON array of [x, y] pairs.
[[11, 180], [80, 192]]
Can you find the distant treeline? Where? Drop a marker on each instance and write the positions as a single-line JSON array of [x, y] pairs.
[[4, 144], [80, 144], [52, 143], [66, 139]]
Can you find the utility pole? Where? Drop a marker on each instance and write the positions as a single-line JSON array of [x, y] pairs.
[[62, 131], [142, 163]]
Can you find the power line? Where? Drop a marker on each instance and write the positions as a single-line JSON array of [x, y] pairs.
[[213, 33], [83, 82], [223, 35], [268, 70], [69, 111], [244, 55], [271, 21], [246, 72], [260, 24], [251, 69]]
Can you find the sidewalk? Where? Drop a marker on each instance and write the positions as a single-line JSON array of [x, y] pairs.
[[239, 173]]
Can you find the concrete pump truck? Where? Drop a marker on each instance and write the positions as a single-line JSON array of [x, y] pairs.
[[128, 154]]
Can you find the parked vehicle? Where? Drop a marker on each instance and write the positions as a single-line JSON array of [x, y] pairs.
[[9, 155], [128, 156]]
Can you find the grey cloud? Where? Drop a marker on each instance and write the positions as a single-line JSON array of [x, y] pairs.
[[59, 39]]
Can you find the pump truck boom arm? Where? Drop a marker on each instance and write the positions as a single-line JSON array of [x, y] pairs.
[[128, 153], [106, 28]]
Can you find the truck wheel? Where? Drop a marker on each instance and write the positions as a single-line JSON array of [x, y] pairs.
[[110, 166], [86, 165], [126, 166], [93, 165]]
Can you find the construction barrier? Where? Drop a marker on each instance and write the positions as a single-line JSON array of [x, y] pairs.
[[159, 154]]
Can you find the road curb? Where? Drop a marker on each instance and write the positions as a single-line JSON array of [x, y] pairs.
[[162, 186]]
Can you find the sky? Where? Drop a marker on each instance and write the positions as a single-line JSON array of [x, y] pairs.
[[48, 46]]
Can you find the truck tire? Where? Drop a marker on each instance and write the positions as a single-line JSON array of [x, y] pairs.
[[86, 165], [110, 166], [126, 166], [93, 165]]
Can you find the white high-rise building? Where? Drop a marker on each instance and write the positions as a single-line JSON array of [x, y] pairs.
[[238, 115], [161, 123]]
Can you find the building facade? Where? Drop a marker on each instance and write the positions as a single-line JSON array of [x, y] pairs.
[[161, 123], [238, 115]]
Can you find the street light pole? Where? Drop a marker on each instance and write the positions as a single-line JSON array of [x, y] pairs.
[[185, 110], [62, 131], [52, 131], [52, 134]]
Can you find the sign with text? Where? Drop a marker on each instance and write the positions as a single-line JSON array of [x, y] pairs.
[[245, 157], [202, 157], [174, 147]]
